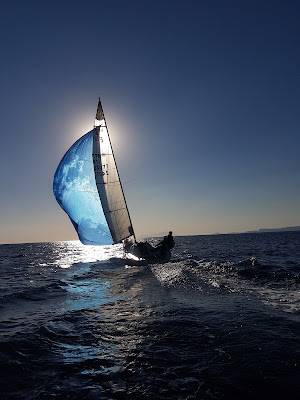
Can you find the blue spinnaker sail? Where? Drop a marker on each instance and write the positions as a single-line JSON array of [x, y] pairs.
[[75, 190]]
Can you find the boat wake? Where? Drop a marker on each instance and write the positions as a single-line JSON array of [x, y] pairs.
[[273, 286]]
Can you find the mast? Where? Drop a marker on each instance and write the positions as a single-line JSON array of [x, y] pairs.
[[100, 116]]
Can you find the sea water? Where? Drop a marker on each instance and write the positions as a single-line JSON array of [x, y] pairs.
[[220, 321]]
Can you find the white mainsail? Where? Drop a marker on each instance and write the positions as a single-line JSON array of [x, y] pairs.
[[108, 182]]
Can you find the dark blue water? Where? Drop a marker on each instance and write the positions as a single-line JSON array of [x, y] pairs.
[[221, 321]]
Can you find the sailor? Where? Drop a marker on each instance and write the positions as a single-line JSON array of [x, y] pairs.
[[166, 244], [170, 241]]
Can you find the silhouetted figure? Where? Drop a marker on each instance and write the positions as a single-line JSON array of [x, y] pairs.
[[170, 241], [166, 244]]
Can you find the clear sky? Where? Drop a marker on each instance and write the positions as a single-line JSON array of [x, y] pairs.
[[201, 100]]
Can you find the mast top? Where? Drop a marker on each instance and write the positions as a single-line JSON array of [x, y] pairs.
[[99, 114]]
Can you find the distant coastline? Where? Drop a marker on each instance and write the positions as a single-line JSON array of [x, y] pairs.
[[286, 229]]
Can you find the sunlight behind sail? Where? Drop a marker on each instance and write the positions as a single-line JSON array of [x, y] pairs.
[[87, 186]]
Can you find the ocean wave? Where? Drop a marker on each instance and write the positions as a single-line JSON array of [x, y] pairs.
[[35, 293]]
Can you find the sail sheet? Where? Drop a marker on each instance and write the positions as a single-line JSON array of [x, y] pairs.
[[108, 182], [75, 190]]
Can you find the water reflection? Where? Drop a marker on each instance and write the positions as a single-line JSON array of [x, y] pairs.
[[72, 252], [54, 279], [88, 293]]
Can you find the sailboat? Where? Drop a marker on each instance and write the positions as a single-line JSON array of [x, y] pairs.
[[88, 188]]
